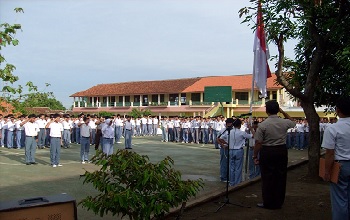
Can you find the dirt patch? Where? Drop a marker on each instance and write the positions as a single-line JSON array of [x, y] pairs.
[[305, 199]]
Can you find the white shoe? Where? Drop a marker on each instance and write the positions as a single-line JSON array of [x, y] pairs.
[[2, 146], [119, 142], [59, 165], [54, 165], [83, 162]]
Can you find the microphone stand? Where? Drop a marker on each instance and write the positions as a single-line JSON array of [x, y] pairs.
[[227, 200]]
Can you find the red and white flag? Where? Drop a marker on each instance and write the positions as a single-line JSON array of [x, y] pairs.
[[261, 70]]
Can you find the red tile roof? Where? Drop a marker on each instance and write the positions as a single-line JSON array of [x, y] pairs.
[[238, 82]]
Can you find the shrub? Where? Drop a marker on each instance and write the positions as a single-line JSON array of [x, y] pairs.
[[130, 185]]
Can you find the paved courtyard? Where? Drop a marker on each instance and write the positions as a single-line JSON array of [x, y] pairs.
[[19, 181]]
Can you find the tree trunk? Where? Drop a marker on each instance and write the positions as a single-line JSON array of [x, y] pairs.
[[314, 137]]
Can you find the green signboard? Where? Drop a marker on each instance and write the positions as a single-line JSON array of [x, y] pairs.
[[218, 94]]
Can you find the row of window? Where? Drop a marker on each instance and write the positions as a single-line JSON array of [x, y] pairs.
[[195, 97]]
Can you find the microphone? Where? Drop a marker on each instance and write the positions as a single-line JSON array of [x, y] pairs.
[[246, 114]]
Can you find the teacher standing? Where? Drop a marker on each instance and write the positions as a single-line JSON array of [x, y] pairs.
[[270, 145]]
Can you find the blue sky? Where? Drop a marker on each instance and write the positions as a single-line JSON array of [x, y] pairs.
[[76, 44]]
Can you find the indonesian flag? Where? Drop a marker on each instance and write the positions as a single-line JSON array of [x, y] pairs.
[[261, 70]]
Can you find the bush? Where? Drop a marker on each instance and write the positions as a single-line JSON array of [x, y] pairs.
[[130, 185]]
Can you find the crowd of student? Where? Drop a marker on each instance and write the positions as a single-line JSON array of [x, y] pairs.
[[99, 131]]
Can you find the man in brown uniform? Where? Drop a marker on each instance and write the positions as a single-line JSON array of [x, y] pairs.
[[271, 147]]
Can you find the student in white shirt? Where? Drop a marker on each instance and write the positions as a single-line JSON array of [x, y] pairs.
[[41, 136], [108, 137], [128, 132], [10, 130], [31, 130], [56, 130], [67, 129], [20, 135], [234, 139]]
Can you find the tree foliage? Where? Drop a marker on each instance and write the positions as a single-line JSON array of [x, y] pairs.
[[8, 38], [41, 99], [319, 72], [130, 185], [15, 95], [136, 112]]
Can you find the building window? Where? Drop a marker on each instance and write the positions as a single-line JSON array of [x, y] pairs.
[[136, 98], [120, 99], [195, 97], [183, 98], [127, 98], [93, 99], [161, 97], [274, 95], [241, 95], [112, 99], [104, 99], [173, 97], [154, 98]]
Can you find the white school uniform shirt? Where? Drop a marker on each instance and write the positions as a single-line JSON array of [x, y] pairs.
[[176, 123], [56, 129], [108, 131], [144, 120], [138, 122], [237, 138], [337, 137], [155, 121], [127, 125], [41, 123], [164, 123], [300, 128], [4, 125], [18, 125], [31, 129], [10, 125], [66, 125], [92, 124], [186, 124], [170, 124]]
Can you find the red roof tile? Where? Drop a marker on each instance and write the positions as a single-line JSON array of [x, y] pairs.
[[138, 88], [238, 82]]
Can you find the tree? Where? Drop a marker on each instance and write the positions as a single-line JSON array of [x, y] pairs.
[[11, 94], [41, 99], [319, 72], [130, 185], [136, 112]]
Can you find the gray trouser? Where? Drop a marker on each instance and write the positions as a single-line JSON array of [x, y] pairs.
[[30, 145]]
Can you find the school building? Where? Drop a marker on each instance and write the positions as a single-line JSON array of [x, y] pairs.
[[183, 97]]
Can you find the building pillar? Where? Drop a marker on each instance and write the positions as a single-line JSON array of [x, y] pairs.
[[179, 101], [107, 104], [93, 101], [141, 101], [123, 100], [201, 97], [158, 99], [278, 97]]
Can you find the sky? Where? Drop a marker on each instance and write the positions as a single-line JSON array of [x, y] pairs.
[[76, 44]]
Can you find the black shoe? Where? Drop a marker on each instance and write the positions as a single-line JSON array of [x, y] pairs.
[[35, 163], [260, 205], [28, 163]]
